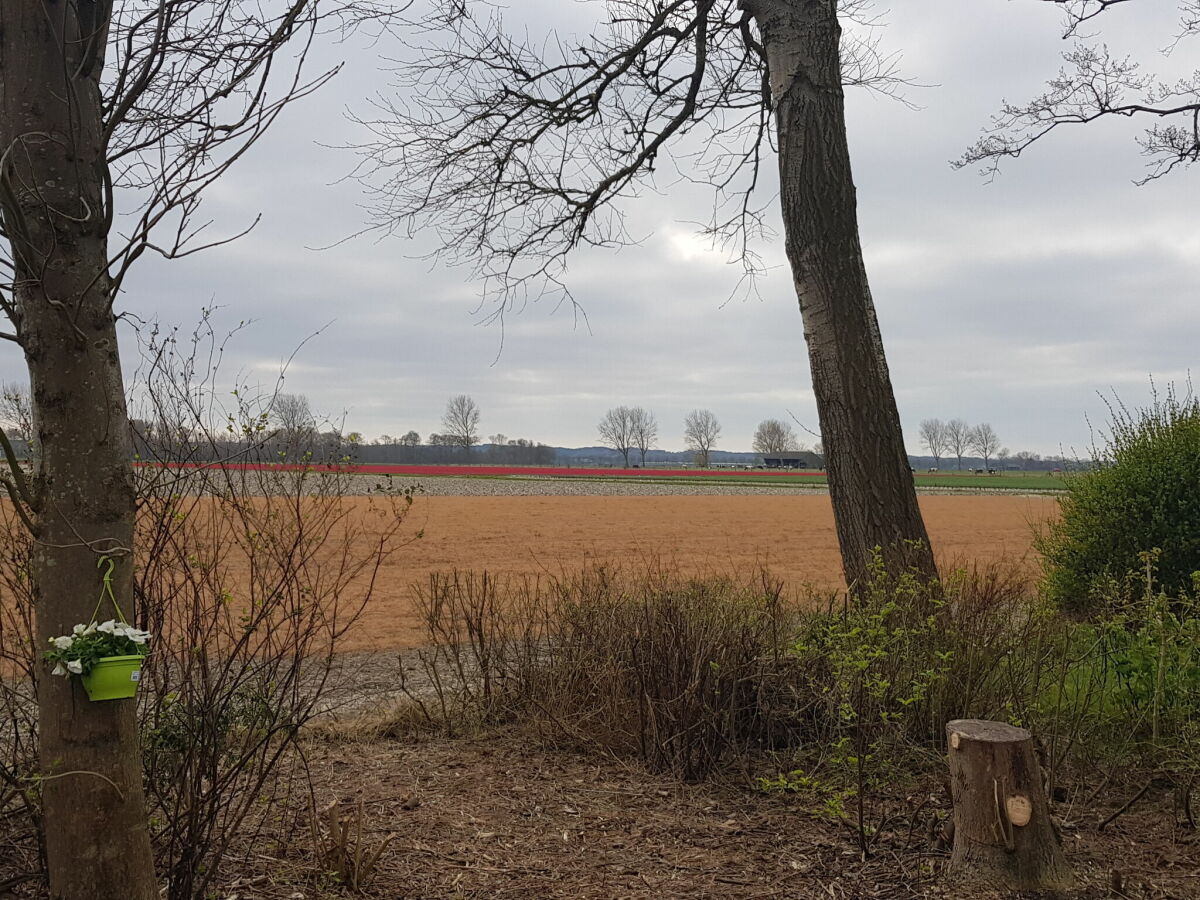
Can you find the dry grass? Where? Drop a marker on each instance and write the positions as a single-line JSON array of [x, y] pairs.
[[687, 674]]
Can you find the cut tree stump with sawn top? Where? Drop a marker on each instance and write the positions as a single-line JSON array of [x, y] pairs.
[[1004, 838]]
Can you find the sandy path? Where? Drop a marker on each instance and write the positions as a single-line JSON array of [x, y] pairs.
[[792, 535]]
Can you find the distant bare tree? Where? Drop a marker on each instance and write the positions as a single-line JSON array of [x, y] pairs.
[[958, 438], [645, 431], [16, 411], [935, 439], [774, 436], [617, 431], [411, 439], [461, 421], [513, 152], [700, 432], [985, 442], [295, 424], [1026, 458], [1096, 84]]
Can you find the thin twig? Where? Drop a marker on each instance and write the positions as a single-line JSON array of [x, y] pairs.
[[1124, 809]]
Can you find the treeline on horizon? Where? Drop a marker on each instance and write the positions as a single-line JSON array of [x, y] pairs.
[[334, 447]]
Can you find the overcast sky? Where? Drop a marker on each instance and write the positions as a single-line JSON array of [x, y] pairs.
[[1013, 302]]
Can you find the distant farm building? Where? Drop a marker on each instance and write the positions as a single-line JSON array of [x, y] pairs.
[[790, 461]]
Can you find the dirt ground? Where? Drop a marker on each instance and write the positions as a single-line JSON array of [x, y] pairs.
[[792, 535], [499, 817]]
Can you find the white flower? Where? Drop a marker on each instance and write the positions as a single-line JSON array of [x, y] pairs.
[[109, 627], [58, 670], [75, 667], [91, 629], [63, 643], [138, 637], [80, 629]]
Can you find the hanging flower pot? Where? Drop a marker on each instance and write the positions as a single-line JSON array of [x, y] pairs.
[[107, 656], [113, 677]]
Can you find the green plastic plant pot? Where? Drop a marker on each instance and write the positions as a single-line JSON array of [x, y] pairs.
[[113, 678]]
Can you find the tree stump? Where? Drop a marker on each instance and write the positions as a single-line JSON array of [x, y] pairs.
[[1003, 835]]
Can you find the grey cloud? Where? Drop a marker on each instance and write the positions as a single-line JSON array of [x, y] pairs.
[[1012, 302]]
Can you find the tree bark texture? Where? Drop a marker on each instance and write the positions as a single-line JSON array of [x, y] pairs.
[[52, 195], [1004, 838], [870, 482]]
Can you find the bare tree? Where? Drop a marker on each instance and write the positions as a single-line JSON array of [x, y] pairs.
[[292, 413], [16, 410], [1026, 458], [774, 436], [461, 421], [134, 106], [617, 431], [295, 424], [1095, 84], [700, 432], [935, 438], [985, 442], [958, 438], [645, 431], [517, 152], [411, 439]]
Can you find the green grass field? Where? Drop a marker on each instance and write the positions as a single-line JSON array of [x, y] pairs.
[[1005, 481], [1009, 481]]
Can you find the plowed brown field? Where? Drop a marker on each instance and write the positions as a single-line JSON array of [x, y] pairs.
[[792, 535]]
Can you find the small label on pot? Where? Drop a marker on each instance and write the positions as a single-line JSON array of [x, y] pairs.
[[135, 675]]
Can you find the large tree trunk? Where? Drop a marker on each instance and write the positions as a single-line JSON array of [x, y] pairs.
[[870, 482], [54, 209]]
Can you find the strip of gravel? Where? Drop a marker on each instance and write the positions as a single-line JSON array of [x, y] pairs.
[[448, 486], [582, 487]]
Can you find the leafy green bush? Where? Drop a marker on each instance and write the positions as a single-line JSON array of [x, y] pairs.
[[871, 666], [1144, 493], [1153, 645]]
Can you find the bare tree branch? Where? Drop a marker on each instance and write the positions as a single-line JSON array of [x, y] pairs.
[[1096, 84], [187, 87], [515, 153], [1078, 12]]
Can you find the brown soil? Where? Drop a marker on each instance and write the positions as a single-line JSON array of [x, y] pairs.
[[791, 535], [496, 817]]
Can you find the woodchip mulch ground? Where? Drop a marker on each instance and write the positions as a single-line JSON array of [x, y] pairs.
[[495, 816]]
